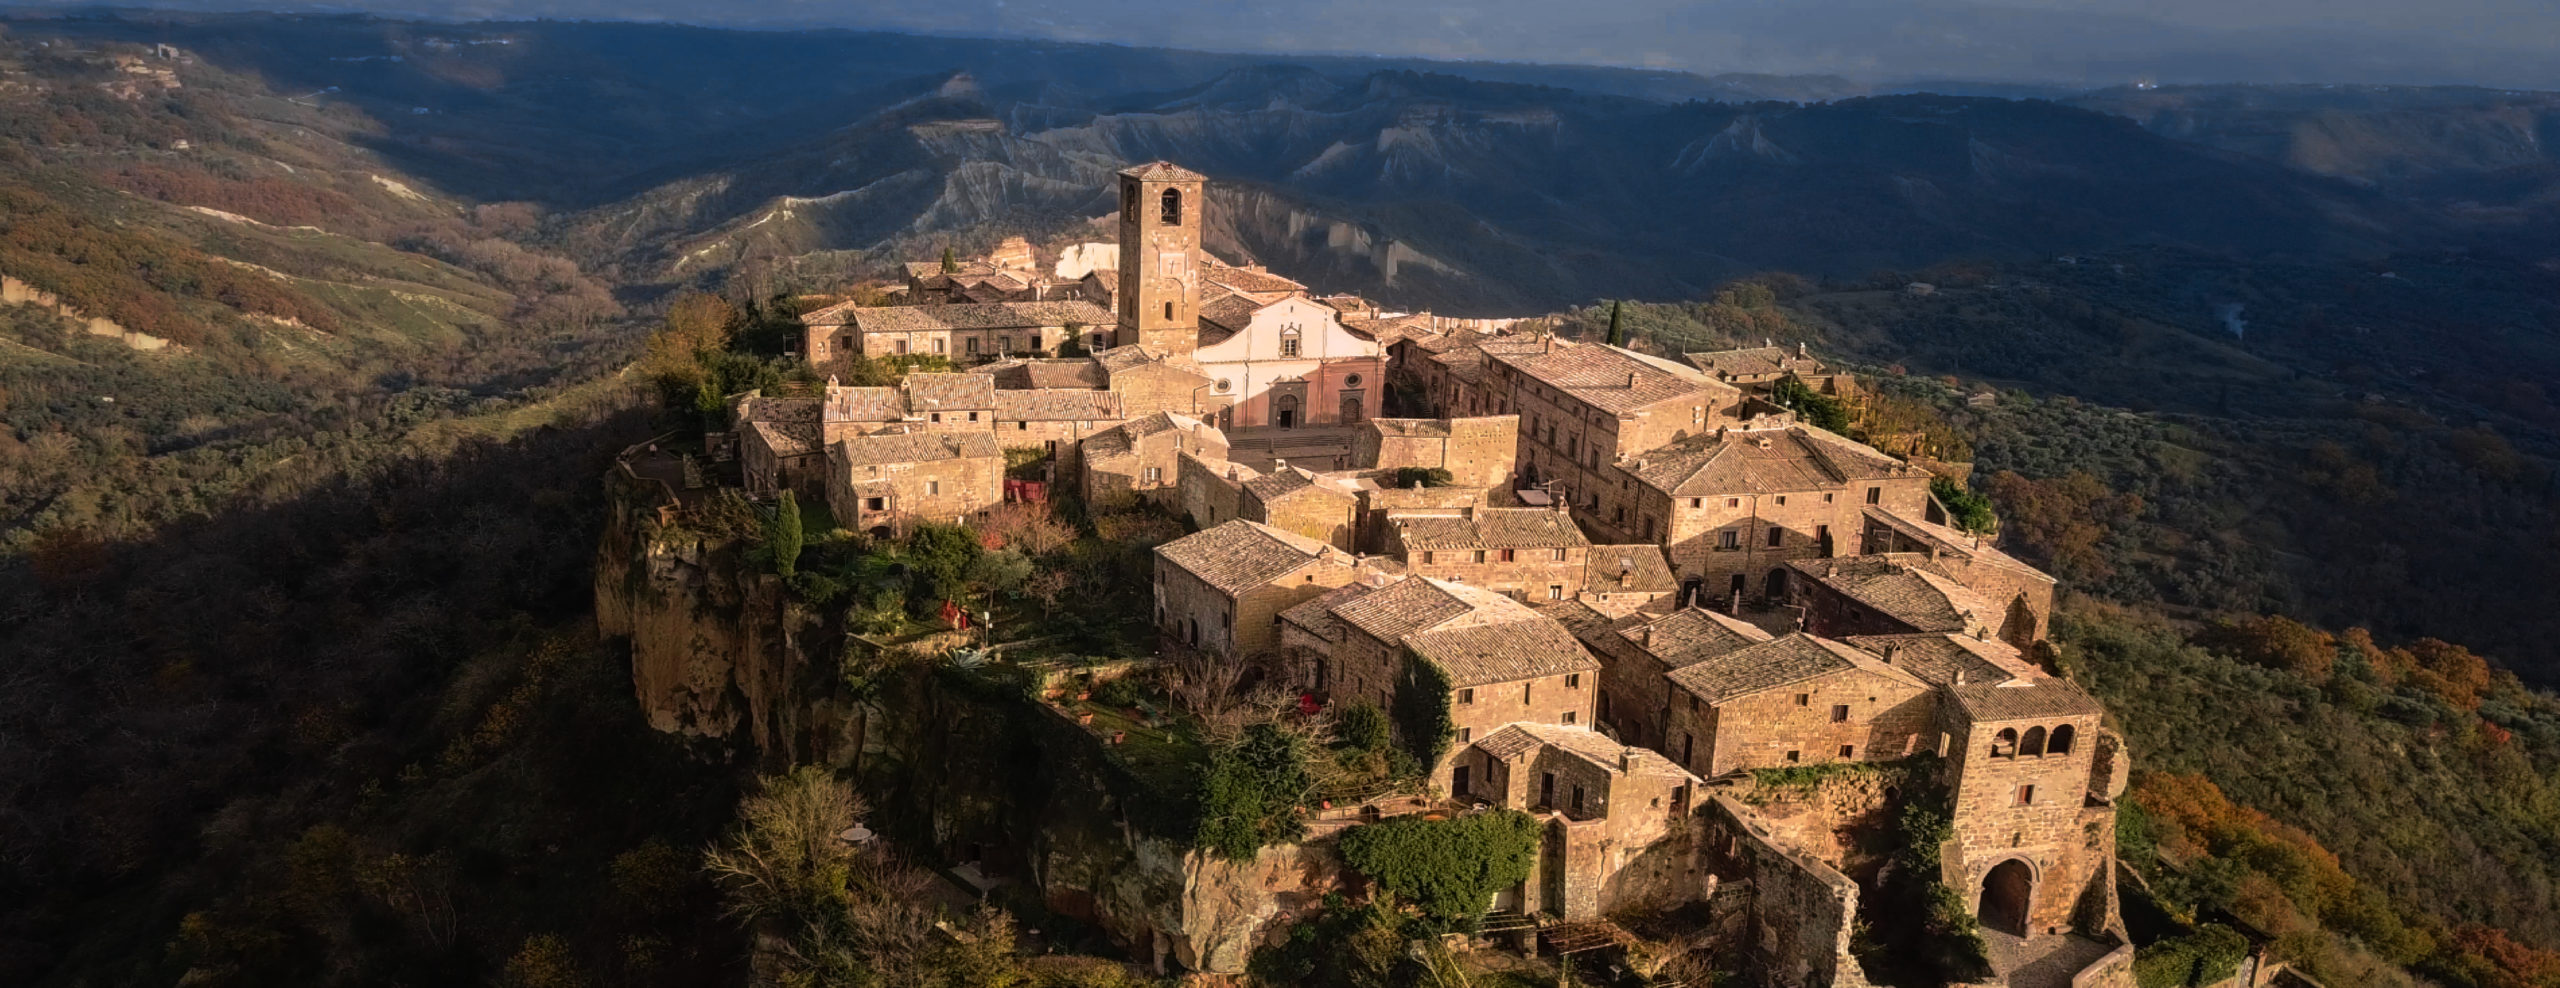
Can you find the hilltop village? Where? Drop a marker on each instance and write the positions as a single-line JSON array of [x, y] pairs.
[[1658, 608]]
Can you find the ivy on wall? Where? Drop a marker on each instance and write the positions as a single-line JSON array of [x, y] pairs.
[[1422, 709]]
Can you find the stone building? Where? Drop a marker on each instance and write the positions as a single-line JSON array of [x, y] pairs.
[[1148, 383], [2023, 593], [1208, 490], [1585, 407], [1026, 373], [1477, 452], [1605, 805], [1286, 364], [1222, 589], [1162, 206], [1319, 506], [780, 444], [1380, 501], [1732, 507], [1503, 662], [1535, 554], [2034, 814], [1054, 421], [1759, 369], [883, 485], [1795, 700], [962, 332], [1627, 574], [1141, 459], [1892, 594], [938, 402], [1640, 649]]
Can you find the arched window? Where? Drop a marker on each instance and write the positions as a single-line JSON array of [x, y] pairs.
[[2060, 744], [1172, 207], [2004, 744], [2033, 745]]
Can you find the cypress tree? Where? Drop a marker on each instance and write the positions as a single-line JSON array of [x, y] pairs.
[[949, 263], [783, 536], [1617, 330]]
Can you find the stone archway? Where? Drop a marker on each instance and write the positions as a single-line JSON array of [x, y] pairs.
[[1284, 411], [2008, 897]]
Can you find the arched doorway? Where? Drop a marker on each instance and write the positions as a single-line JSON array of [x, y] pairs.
[[1692, 590], [1777, 584], [1284, 411], [1350, 409], [2008, 894]]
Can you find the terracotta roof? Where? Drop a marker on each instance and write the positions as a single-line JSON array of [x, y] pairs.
[[1892, 585], [1491, 528], [1607, 378], [1942, 658], [1289, 482], [1120, 439], [1772, 664], [2029, 699], [1057, 405], [1163, 171], [978, 315], [1692, 635], [833, 315], [1762, 461], [1229, 312], [1409, 428], [1022, 374], [1239, 555], [1512, 740], [1249, 280], [865, 405], [1627, 569], [915, 447]]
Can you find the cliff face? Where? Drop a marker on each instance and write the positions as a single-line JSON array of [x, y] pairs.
[[968, 773]]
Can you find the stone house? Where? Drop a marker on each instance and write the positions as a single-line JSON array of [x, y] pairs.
[[1323, 507], [1222, 589], [1627, 574], [1209, 490], [2024, 592], [1759, 369], [885, 484], [1639, 649], [1795, 700], [1379, 501], [1732, 507], [965, 332], [780, 444], [1605, 805], [1149, 383], [1584, 407], [1504, 663], [1891, 594], [1477, 452], [1026, 373], [1054, 421], [2034, 814], [1535, 554], [939, 402], [1141, 459]]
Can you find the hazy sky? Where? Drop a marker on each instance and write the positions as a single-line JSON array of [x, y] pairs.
[[2494, 42]]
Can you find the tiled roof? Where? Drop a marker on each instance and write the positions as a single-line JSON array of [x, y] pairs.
[[1692, 635], [1943, 658], [1584, 743], [1607, 378], [1288, 482], [1163, 171], [1120, 439], [1491, 528], [1410, 428], [1027, 373], [1229, 312], [1953, 542], [1627, 569], [787, 438], [1057, 405], [940, 392], [1773, 664], [834, 315], [915, 447], [1477, 636], [1916, 597], [1762, 461], [1758, 361], [978, 315], [2027, 699], [1239, 555], [865, 405], [1248, 280]]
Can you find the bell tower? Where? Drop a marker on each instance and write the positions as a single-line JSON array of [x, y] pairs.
[[1160, 210]]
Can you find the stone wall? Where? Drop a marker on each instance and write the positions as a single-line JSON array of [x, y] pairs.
[[2049, 829], [1807, 525], [1886, 719], [1800, 911], [1319, 513]]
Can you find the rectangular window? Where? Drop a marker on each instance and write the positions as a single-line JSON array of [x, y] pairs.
[[1822, 533], [1288, 348], [1728, 539], [1839, 713], [1573, 681], [1697, 502], [1555, 591], [973, 416], [933, 487], [1804, 699], [2026, 795], [1875, 495], [1568, 718], [901, 347], [1577, 798], [1688, 749], [937, 346], [1560, 555], [1427, 555], [1848, 751], [1526, 690], [1777, 536], [1467, 695], [973, 346], [875, 504], [1466, 734], [1479, 555], [1733, 502], [936, 417], [1618, 515], [1794, 757], [1826, 498], [1508, 555], [1782, 500], [1155, 475]]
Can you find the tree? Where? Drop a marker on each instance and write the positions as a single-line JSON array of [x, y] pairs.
[[1969, 510], [1819, 410], [1250, 794], [782, 535], [1617, 327], [949, 263], [1450, 869], [783, 857]]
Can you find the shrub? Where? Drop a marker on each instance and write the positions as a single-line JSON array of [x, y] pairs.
[[1361, 725], [1422, 710], [1450, 869], [2207, 956], [1968, 510], [1250, 794], [1424, 477]]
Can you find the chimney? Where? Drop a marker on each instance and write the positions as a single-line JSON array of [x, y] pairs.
[[1278, 464], [1959, 677], [1627, 760], [1800, 351], [1892, 652]]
